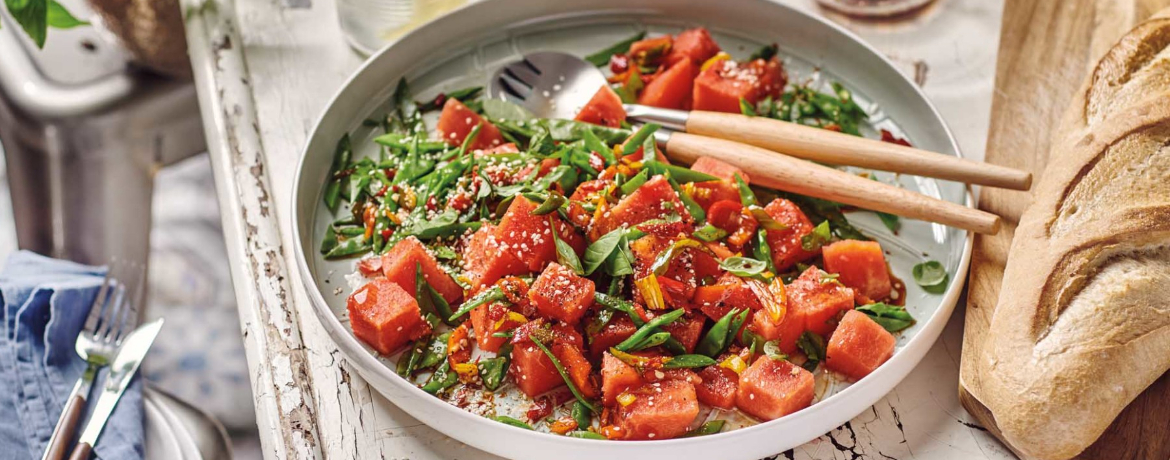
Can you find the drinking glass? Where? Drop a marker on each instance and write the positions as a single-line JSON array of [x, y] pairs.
[[370, 24]]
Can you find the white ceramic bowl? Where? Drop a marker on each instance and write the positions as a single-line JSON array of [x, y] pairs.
[[463, 48]]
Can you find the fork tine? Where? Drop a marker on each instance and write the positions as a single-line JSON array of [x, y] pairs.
[[512, 90], [128, 318], [99, 302], [522, 74], [111, 314]]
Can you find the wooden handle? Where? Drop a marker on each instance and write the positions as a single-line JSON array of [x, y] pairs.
[[66, 425], [837, 148], [783, 172], [81, 452]]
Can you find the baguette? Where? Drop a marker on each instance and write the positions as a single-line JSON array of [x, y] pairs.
[[1082, 325]]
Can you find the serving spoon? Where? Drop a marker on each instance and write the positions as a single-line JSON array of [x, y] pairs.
[[557, 85]]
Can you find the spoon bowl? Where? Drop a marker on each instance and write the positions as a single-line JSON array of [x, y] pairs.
[[549, 84]]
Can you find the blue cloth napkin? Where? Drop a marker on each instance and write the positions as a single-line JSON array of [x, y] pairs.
[[43, 304]]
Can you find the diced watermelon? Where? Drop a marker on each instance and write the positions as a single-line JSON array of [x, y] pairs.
[[370, 267], [615, 331], [858, 346], [787, 331], [785, 244], [616, 378], [772, 388], [532, 371], [671, 89], [820, 301], [605, 109], [456, 122], [730, 292], [687, 330], [484, 319], [660, 410], [558, 293], [385, 316], [485, 262], [693, 44], [682, 276], [561, 333], [401, 262], [527, 236], [653, 200], [720, 169], [861, 266], [577, 367], [718, 387], [721, 86]]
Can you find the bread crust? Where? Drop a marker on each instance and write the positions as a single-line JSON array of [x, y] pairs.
[[1082, 325]]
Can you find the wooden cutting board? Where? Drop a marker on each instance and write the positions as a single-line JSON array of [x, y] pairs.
[[1046, 50]]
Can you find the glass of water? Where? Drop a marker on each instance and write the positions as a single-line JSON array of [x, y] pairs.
[[370, 24]]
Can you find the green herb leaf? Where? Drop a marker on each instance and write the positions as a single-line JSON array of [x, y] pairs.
[[813, 346], [820, 236], [746, 108], [687, 362], [349, 248], [511, 421], [598, 251], [772, 350], [619, 305], [893, 318], [565, 254], [601, 58], [766, 52], [889, 220], [932, 276], [61, 18], [743, 266], [32, 15], [595, 144], [711, 427], [495, 110]]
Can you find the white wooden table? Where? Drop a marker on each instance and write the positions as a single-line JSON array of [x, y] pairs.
[[265, 70]]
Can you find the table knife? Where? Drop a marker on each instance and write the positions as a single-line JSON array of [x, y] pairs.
[[123, 368]]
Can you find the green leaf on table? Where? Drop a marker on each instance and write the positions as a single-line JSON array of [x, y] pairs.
[[891, 317]]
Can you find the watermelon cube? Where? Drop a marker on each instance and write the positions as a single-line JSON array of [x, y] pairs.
[[618, 329], [653, 200], [403, 260], [532, 371], [785, 244], [616, 378], [772, 388], [528, 238], [671, 89], [858, 346], [605, 109], [488, 319], [693, 44], [861, 266], [558, 293], [578, 368], [687, 330], [456, 122], [820, 301], [659, 410], [730, 292], [484, 261], [385, 316], [786, 331], [721, 86], [718, 387]]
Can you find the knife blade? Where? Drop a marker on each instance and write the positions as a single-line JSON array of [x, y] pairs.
[[125, 364]]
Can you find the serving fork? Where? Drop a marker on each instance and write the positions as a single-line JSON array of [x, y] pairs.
[[111, 317]]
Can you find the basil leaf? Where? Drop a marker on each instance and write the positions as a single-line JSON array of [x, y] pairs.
[[582, 434], [594, 144], [565, 254], [772, 350], [601, 58], [813, 347], [889, 220], [819, 236], [932, 276], [687, 362], [620, 262], [60, 18], [32, 15], [891, 317], [600, 250], [743, 266], [745, 108], [571, 131], [495, 110]]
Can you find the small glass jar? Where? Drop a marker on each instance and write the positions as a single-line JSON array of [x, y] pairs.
[[371, 24]]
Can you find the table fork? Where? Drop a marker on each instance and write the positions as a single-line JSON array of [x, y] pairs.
[[111, 317]]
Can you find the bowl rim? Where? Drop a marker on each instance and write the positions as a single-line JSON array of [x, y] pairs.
[[912, 352]]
